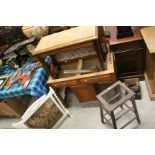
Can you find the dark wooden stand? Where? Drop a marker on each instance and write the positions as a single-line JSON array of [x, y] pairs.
[[129, 53]]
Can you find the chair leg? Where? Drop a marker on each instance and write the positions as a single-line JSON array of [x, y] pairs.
[[101, 114], [113, 120], [135, 110]]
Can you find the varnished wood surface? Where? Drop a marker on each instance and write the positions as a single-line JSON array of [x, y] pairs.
[[84, 93], [150, 74], [113, 39], [149, 38], [66, 38]]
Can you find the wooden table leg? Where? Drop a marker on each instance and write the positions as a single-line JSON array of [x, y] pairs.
[[113, 120], [66, 95], [61, 99], [45, 65]]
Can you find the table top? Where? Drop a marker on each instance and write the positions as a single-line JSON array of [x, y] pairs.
[[113, 38], [36, 87], [149, 38], [66, 38]]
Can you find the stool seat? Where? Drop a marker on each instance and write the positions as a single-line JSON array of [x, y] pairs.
[[114, 97], [114, 94]]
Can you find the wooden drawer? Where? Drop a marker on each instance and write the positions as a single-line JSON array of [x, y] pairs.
[[95, 79], [64, 84]]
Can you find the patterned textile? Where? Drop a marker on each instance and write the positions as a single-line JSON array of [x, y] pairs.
[[37, 86], [77, 53]]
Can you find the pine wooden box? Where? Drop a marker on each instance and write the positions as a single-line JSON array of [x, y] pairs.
[[12, 107]]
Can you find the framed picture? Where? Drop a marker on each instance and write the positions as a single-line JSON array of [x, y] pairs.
[[3, 81], [47, 112]]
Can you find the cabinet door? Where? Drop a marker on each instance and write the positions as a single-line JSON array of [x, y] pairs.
[[84, 93], [129, 63]]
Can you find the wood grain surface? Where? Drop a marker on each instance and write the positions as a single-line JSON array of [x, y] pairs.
[[149, 38], [66, 38]]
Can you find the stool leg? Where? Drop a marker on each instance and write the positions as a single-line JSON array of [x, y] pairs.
[[113, 120], [101, 114], [135, 110], [121, 106]]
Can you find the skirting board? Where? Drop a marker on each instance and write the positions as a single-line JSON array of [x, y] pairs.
[[152, 96]]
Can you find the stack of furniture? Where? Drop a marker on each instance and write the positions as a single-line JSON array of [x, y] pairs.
[[80, 39]]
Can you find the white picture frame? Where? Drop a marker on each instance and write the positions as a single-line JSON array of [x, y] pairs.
[[38, 104]]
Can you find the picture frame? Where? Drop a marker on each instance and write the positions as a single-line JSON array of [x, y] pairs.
[[45, 113]]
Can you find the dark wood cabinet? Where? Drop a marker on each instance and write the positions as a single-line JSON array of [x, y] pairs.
[[129, 63], [129, 54]]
